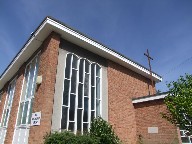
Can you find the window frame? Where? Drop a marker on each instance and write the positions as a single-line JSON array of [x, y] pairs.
[[23, 97], [77, 92], [5, 107]]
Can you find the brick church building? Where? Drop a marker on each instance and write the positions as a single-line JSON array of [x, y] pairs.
[[61, 79]]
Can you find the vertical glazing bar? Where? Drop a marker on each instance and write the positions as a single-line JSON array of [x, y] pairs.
[[76, 98], [95, 108], [89, 98], [83, 95], [69, 93]]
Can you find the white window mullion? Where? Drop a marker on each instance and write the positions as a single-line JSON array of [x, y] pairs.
[[95, 91], [83, 96], [89, 98], [76, 97]]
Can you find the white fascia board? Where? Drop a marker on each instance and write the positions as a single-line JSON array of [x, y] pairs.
[[49, 25], [29, 48], [102, 48], [146, 99]]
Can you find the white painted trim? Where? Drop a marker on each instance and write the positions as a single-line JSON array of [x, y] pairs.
[[101, 47], [50, 25], [145, 99], [22, 51]]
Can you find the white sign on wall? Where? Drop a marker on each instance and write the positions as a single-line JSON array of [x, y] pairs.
[[35, 119], [152, 129]]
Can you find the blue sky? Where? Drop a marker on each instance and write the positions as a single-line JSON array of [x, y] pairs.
[[127, 26]]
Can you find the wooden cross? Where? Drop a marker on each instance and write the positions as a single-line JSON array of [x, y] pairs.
[[149, 61]]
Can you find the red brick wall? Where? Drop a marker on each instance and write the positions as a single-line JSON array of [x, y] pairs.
[[3, 98], [123, 84], [148, 115], [15, 105], [44, 95]]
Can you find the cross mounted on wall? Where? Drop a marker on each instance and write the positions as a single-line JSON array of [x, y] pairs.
[[149, 62]]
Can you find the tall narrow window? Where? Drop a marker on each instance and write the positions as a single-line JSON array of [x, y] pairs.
[[21, 132], [26, 103], [8, 104], [7, 110], [81, 95]]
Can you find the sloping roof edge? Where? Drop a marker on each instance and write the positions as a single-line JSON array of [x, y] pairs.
[[149, 98], [50, 24]]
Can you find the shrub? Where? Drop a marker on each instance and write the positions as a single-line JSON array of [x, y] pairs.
[[101, 132], [104, 131], [69, 138]]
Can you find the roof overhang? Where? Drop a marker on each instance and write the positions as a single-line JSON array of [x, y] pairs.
[[149, 98], [49, 25]]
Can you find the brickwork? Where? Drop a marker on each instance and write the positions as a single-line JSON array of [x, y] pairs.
[[3, 98], [148, 115], [123, 84], [45, 91], [15, 105]]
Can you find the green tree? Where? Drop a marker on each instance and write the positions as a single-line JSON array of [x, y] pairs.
[[104, 131], [179, 102]]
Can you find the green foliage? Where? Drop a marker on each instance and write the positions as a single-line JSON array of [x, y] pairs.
[[69, 138], [179, 102], [101, 132], [104, 131]]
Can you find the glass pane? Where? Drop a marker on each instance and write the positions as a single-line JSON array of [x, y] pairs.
[[32, 70], [11, 93], [25, 113], [35, 75], [80, 95], [97, 108], [64, 118], [79, 119], [181, 133], [98, 88], [86, 66], [93, 74], [185, 139], [72, 107], [85, 115], [30, 111], [25, 83], [81, 70], [92, 98], [97, 70], [85, 127], [74, 64], [92, 115], [71, 126], [86, 85], [73, 81], [66, 92], [20, 114], [68, 66], [6, 117]]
